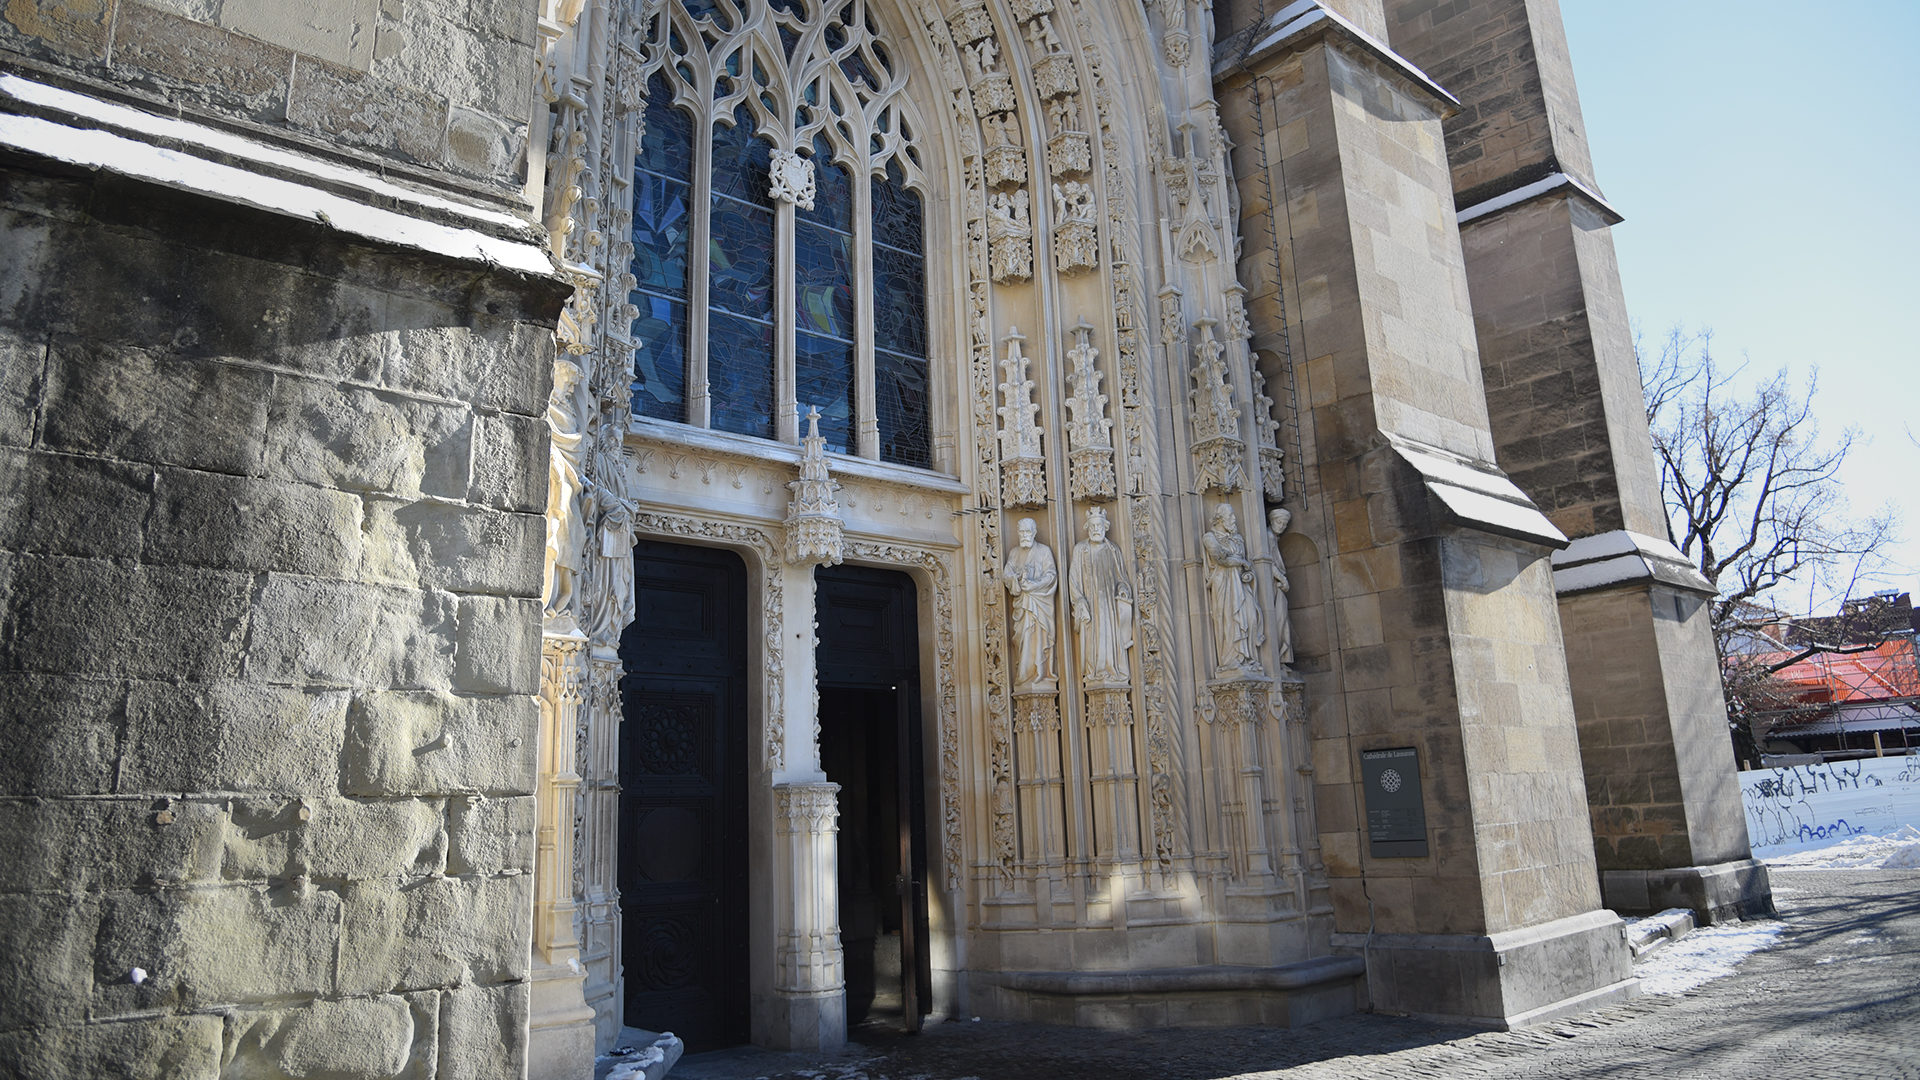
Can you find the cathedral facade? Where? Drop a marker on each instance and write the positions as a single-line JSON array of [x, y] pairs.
[[748, 517]]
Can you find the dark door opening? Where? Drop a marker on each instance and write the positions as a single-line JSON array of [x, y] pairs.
[[870, 744], [683, 787]]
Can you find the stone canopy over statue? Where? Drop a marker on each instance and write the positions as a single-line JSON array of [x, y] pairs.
[[1032, 578], [1102, 598]]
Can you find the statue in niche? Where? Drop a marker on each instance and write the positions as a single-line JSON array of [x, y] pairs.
[[1031, 578], [1277, 521], [1235, 609], [1102, 598]]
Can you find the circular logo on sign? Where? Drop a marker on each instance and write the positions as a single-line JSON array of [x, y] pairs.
[[1390, 779]]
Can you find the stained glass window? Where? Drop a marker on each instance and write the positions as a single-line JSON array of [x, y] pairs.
[[900, 322], [662, 226], [740, 373], [707, 231]]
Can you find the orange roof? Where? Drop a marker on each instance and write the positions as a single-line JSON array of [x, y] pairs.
[[1886, 671]]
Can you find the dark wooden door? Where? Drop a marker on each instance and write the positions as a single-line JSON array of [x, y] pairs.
[[683, 828]]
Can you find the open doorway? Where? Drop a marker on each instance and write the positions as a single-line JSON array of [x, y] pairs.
[[870, 744]]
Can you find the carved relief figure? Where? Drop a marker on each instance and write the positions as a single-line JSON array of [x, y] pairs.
[[1102, 598], [982, 59], [1032, 578], [1277, 521], [1235, 610]]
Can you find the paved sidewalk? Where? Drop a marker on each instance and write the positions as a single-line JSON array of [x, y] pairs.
[[1839, 996]]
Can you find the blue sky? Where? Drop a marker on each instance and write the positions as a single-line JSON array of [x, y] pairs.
[[1767, 158]]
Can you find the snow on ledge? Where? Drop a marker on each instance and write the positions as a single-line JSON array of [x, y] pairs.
[[1303, 15], [94, 112], [1611, 558], [1478, 495], [1535, 190], [95, 149]]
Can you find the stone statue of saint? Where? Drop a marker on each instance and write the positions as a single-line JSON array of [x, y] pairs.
[[568, 498], [1235, 610], [1277, 520], [1031, 579], [1102, 600]]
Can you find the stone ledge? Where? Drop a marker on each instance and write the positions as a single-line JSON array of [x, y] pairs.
[[1621, 557], [1504, 980], [42, 121], [1305, 21], [1216, 977], [1716, 893]]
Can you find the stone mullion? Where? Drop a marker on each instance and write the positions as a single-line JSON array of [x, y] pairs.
[[699, 288], [785, 376], [865, 394]]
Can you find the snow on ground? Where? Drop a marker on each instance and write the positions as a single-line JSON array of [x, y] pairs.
[[1897, 850], [1703, 955]]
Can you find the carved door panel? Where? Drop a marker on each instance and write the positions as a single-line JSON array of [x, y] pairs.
[[683, 848]]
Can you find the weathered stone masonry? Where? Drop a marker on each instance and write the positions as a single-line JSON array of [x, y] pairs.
[[271, 562]]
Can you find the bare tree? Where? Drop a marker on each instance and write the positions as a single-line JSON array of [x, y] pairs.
[[1754, 499]]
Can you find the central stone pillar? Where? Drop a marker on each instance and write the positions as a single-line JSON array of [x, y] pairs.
[[1569, 426], [1426, 620], [809, 991]]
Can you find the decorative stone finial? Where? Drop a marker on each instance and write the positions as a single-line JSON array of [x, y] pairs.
[[815, 533]]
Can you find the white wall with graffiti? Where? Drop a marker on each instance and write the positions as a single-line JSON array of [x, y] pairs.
[[1797, 807]]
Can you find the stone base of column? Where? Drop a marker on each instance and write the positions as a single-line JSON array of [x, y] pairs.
[[560, 1035], [810, 1021], [1501, 981], [1719, 893]]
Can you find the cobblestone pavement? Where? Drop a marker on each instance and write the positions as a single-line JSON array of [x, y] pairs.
[[1838, 996]]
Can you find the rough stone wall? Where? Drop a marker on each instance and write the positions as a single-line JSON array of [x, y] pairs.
[[270, 554], [445, 85]]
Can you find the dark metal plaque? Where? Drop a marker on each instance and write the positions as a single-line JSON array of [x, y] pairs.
[[1396, 817]]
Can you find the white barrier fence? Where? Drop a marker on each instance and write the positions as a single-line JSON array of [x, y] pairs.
[[1797, 807]]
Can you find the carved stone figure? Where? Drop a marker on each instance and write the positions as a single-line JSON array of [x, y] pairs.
[[1235, 610], [1277, 521], [1102, 598], [1032, 578], [568, 410]]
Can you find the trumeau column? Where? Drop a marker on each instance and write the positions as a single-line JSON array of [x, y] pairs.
[[807, 1008], [1569, 424], [1424, 608]]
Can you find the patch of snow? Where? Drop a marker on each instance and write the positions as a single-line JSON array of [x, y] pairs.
[[1704, 955], [1498, 513], [1896, 850], [1538, 187], [1303, 14], [1592, 575]]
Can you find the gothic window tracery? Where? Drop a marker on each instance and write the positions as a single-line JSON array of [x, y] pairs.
[[779, 248]]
